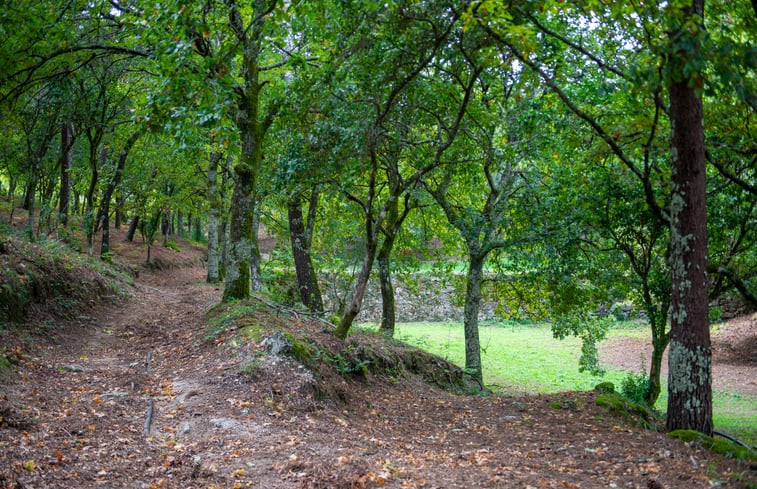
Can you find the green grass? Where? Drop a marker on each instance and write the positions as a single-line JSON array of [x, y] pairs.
[[527, 359]]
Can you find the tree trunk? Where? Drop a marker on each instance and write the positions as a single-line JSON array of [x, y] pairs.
[[392, 225], [90, 223], [358, 291], [12, 199], [165, 226], [180, 223], [690, 357], [223, 229], [29, 198], [307, 282], [31, 186], [655, 386], [132, 228], [252, 132], [237, 285], [66, 161], [470, 315], [224, 237], [256, 280], [388, 313], [120, 217], [215, 210], [104, 211]]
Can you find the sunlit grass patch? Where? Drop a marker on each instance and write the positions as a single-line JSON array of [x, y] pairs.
[[523, 358]]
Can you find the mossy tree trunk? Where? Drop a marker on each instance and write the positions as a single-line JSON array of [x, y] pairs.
[[243, 239], [475, 278], [237, 284], [690, 358], [300, 237]]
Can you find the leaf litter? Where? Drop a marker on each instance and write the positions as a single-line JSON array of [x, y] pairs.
[[219, 424]]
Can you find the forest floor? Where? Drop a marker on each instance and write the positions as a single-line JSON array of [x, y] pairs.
[[73, 415]]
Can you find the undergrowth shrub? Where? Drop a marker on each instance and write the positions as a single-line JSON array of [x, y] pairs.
[[635, 387]]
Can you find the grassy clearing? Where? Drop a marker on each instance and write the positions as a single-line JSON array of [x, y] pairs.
[[527, 359]]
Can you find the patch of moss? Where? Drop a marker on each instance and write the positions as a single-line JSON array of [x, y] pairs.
[[555, 405], [605, 388], [5, 363], [253, 331], [717, 445], [632, 412], [301, 351], [234, 316]]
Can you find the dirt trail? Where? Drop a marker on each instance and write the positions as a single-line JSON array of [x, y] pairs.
[[76, 419]]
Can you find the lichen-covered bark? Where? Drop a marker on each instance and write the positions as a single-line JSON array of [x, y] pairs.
[[690, 357], [237, 285]]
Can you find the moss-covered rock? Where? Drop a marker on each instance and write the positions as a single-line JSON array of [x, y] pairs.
[[717, 445]]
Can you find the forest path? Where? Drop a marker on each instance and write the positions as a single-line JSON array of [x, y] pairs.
[[77, 419]]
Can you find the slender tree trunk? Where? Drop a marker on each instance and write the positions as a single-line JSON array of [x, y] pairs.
[[307, 282], [12, 199], [66, 161], [223, 229], [392, 225], [90, 222], [659, 344], [12, 189], [164, 226], [29, 198], [104, 211], [358, 291], [119, 215], [224, 236], [388, 312], [180, 223], [215, 210], [256, 279], [690, 357], [132, 228], [470, 315], [31, 187]]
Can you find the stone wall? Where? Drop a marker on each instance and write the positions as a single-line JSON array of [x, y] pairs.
[[426, 299]]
